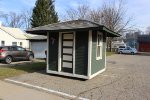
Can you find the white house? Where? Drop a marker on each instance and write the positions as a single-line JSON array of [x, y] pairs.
[[116, 44], [13, 36]]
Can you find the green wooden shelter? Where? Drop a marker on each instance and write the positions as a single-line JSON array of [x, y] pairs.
[[76, 48]]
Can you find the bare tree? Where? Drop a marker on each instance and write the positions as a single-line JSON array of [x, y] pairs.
[[18, 20], [26, 18], [111, 14], [82, 12], [13, 20], [95, 15], [114, 18]]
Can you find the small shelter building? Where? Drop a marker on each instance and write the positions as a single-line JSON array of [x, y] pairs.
[[76, 48]]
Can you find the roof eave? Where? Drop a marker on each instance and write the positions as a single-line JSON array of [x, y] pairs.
[[110, 33], [60, 30]]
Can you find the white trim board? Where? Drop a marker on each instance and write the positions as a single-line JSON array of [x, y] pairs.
[[74, 37], [59, 52], [95, 74], [89, 52], [68, 74], [47, 55], [45, 89]]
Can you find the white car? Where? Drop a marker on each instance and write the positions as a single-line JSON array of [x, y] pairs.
[[127, 50]]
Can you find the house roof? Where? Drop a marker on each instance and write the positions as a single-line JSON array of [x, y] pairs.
[[144, 38], [71, 25], [14, 32], [36, 37]]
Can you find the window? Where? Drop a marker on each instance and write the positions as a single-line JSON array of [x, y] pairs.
[[2, 43], [20, 49], [14, 48], [99, 46], [21, 44], [14, 43]]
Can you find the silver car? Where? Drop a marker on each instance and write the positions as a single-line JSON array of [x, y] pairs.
[[126, 50]]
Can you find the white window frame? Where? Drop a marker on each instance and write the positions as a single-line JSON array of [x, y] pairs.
[[100, 44]]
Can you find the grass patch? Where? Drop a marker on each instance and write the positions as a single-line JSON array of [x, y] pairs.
[[9, 71], [109, 53]]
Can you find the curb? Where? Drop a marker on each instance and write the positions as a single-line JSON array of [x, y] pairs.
[[61, 94]]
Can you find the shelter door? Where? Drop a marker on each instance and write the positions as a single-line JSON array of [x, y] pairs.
[[67, 52]]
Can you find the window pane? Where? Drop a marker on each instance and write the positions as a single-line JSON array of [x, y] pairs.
[[5, 48], [14, 43], [2, 43], [20, 43], [14, 48], [98, 39], [20, 49], [98, 51]]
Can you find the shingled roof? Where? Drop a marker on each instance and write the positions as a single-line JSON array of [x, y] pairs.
[[37, 37], [71, 25], [14, 32]]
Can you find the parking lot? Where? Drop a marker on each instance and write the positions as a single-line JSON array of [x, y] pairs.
[[126, 78]]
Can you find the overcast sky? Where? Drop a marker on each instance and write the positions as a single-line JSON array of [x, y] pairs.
[[139, 10]]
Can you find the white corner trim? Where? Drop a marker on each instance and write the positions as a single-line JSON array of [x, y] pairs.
[[89, 52], [95, 74], [74, 37], [47, 55], [59, 51], [105, 54], [45, 89]]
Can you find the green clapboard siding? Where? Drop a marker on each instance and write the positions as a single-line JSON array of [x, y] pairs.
[[97, 65], [53, 51], [81, 53]]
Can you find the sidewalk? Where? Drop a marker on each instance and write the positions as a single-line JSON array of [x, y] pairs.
[[13, 92]]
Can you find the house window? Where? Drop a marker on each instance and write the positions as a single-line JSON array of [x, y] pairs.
[[14, 43], [99, 46], [2, 43], [21, 44]]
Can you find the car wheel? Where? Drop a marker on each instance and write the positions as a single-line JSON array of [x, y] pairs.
[[8, 59], [120, 52], [132, 53], [30, 58]]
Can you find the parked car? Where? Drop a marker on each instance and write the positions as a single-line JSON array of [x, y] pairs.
[[126, 50], [10, 53]]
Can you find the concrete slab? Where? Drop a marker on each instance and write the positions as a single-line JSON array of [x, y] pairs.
[[13, 92]]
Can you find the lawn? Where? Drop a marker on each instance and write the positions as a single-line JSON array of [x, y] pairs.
[[110, 53], [10, 71]]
